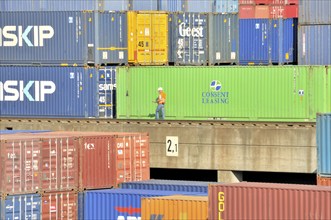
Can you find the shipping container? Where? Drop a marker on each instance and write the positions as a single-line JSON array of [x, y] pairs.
[[226, 6], [26, 206], [261, 11], [20, 166], [111, 44], [2, 132], [47, 38], [145, 5], [314, 12], [168, 185], [117, 203], [60, 205], [314, 44], [107, 92], [267, 41], [63, 5], [324, 181], [269, 2], [268, 201], [48, 92], [246, 2], [281, 93], [223, 39], [323, 138], [172, 5], [147, 38], [188, 36], [201, 6], [175, 207], [246, 11]]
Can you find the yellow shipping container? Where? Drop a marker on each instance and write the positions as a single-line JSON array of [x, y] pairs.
[[148, 37], [175, 207]]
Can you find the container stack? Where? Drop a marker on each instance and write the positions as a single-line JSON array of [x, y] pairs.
[[323, 137], [314, 32]]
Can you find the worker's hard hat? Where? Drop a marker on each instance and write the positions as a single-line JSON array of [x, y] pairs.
[[160, 89]]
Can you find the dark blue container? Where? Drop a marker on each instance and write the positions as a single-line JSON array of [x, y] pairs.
[[188, 36], [323, 137], [117, 203], [107, 92], [168, 185], [21, 207], [267, 41], [48, 92]]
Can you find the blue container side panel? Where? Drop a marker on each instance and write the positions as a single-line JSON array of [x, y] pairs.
[[199, 6], [145, 5], [314, 45], [107, 93], [253, 41], [323, 134], [172, 5], [314, 12], [62, 38], [226, 6], [119, 203], [22, 131], [21, 207], [61, 92]]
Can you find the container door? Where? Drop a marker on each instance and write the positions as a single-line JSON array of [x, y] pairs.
[[160, 38], [144, 31], [132, 37], [140, 156], [123, 159], [107, 92], [60, 205]]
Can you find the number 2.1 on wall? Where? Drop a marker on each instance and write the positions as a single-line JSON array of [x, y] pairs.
[[172, 146]]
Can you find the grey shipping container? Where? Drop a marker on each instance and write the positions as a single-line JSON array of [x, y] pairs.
[[314, 45], [63, 5], [145, 5], [314, 12], [168, 185], [226, 6], [111, 38], [172, 5], [200, 6], [188, 38], [21, 207], [223, 39], [323, 137]]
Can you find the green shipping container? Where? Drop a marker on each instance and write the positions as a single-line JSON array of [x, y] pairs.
[[274, 93]]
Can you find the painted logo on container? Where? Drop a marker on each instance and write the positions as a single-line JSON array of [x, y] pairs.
[[13, 90], [215, 95], [12, 36], [127, 213]]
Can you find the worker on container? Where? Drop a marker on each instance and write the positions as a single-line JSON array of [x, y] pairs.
[[160, 104]]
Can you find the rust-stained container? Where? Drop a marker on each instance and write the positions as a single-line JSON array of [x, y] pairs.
[[175, 207], [20, 167], [262, 11], [268, 201], [323, 181], [147, 37], [59, 205]]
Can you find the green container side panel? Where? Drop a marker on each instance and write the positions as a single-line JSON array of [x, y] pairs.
[[274, 93]]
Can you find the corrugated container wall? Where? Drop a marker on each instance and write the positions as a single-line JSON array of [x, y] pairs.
[[188, 36], [143, 5], [223, 39], [267, 41], [117, 203], [168, 185], [147, 38], [323, 137], [226, 93], [323, 181], [226, 6], [46, 38], [21, 207], [268, 201], [172, 5], [175, 207], [314, 12], [2, 132], [107, 92], [200, 6], [111, 38], [314, 45], [48, 92], [63, 5]]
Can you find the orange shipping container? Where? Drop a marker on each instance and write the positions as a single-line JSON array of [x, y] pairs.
[[262, 11], [175, 207], [323, 181]]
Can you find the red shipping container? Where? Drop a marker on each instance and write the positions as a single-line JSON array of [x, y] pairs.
[[246, 11], [276, 11], [20, 167], [246, 2], [262, 11], [268, 201], [263, 2], [59, 205], [291, 11], [291, 2], [323, 181]]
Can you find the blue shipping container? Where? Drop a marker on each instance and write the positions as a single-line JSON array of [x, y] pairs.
[[188, 36], [200, 6], [22, 131], [145, 5], [314, 45], [107, 92], [168, 185], [21, 207], [267, 41], [314, 11], [63, 5], [323, 137], [117, 203], [172, 5], [55, 91]]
